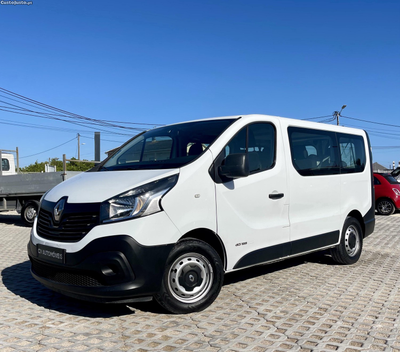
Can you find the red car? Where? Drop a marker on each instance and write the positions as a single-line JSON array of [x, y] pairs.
[[387, 192]]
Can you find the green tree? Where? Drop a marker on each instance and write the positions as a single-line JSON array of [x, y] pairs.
[[71, 165], [78, 166]]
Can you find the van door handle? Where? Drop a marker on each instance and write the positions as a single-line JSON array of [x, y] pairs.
[[276, 195]]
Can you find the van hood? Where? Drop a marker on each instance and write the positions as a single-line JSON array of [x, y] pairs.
[[95, 187]]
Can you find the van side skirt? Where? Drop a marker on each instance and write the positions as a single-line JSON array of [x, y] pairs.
[[287, 249]]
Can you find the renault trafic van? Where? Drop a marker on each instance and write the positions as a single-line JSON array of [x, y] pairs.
[[178, 206]]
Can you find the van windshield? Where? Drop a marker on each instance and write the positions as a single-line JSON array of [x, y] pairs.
[[167, 147]]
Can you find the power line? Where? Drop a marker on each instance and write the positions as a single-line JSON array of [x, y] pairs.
[[52, 112], [104, 140], [38, 126], [28, 156], [316, 118], [134, 123], [376, 123], [386, 147], [328, 120], [73, 122], [30, 125], [52, 108]]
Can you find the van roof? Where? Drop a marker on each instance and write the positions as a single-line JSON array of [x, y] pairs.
[[286, 120]]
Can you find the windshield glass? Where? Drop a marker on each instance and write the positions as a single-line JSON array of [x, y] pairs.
[[167, 147], [391, 179]]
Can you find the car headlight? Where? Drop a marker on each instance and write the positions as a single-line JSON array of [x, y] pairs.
[[141, 201]]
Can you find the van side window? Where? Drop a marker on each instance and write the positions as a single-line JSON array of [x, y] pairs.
[[258, 141], [376, 181], [5, 165], [352, 153], [314, 152]]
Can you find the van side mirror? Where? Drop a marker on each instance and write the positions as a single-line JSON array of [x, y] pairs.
[[235, 166]]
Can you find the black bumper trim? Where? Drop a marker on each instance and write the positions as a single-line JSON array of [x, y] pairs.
[[110, 269]]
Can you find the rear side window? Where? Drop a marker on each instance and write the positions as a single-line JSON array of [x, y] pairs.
[[317, 152], [314, 152], [352, 153], [5, 165]]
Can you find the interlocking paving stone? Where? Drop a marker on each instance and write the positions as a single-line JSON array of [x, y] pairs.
[[304, 304]]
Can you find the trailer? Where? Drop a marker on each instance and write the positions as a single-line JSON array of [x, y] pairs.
[[22, 192]]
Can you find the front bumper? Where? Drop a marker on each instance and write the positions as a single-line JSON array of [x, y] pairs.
[[110, 269]]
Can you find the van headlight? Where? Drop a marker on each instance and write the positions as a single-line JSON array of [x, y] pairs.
[[141, 201]]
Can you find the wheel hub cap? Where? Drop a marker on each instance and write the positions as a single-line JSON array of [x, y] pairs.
[[190, 277], [31, 213], [352, 241]]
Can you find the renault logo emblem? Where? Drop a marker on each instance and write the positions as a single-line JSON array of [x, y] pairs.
[[58, 210]]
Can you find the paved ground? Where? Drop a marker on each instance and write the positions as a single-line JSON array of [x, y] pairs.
[[306, 304]]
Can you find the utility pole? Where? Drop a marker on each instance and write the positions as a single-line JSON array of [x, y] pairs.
[[97, 146], [337, 114], [79, 147]]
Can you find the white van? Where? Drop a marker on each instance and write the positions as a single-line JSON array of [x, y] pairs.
[[178, 206]]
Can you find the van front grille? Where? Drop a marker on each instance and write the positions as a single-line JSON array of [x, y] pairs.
[[72, 227]]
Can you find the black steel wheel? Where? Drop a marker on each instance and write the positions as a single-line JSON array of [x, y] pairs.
[[192, 279], [348, 251]]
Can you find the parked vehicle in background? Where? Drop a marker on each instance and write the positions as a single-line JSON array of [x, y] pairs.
[[22, 192], [387, 192], [7, 164], [178, 206]]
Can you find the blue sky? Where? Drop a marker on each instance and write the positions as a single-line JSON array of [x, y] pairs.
[[160, 62]]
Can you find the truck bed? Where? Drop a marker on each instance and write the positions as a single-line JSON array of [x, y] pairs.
[[32, 184]]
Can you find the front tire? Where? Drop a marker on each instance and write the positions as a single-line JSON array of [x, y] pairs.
[[348, 251], [385, 207], [192, 279], [29, 212]]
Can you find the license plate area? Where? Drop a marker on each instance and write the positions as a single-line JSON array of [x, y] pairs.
[[52, 254]]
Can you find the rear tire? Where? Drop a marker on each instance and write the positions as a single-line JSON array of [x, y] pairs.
[[192, 279], [385, 207], [348, 251], [29, 212]]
